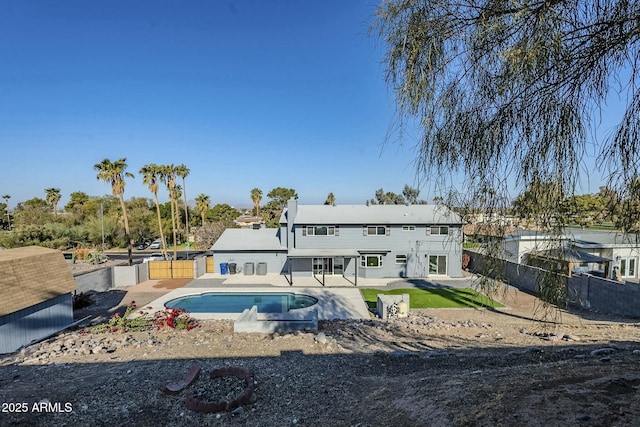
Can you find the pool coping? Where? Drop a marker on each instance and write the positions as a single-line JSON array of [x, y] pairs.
[[333, 303]]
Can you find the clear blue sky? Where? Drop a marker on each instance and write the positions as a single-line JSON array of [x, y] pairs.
[[244, 93]]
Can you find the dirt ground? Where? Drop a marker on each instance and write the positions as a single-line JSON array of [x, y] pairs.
[[435, 368]]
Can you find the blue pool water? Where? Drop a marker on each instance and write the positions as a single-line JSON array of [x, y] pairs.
[[237, 303]]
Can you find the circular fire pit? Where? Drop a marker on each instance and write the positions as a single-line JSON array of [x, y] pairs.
[[243, 398]]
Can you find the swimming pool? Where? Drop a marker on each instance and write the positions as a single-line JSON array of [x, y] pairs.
[[214, 302]]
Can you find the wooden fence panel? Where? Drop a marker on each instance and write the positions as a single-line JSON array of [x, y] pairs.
[[210, 265], [171, 269]]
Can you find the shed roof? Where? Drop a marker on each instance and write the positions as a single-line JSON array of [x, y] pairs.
[[571, 255], [32, 275], [236, 239], [375, 214]]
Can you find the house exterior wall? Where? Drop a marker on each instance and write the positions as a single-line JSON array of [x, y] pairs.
[[416, 245], [275, 260], [35, 323]]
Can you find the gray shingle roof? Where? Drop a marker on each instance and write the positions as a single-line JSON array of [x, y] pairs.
[[235, 239], [375, 214]]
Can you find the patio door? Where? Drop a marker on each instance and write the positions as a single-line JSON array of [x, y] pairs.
[[323, 265], [338, 265], [438, 264]]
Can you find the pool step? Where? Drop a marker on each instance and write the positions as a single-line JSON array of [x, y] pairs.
[[250, 321]]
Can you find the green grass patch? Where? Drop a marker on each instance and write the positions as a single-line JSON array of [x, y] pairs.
[[434, 298]]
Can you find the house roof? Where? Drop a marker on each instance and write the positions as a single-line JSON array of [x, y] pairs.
[[235, 239], [570, 255], [603, 239], [585, 239], [375, 214], [490, 230], [32, 275]]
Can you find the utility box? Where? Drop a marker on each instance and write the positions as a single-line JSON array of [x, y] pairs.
[[392, 306]]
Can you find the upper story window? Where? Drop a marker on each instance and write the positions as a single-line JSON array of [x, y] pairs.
[[375, 230], [320, 230], [408, 228], [437, 231]]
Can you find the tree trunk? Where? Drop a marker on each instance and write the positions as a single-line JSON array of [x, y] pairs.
[[126, 228]]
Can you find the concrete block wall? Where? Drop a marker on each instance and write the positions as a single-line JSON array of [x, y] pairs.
[[591, 292], [99, 280]]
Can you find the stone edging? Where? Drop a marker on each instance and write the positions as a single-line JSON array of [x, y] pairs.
[[243, 398]]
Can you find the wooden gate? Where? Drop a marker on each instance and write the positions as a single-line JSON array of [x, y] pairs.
[[210, 265], [182, 269]]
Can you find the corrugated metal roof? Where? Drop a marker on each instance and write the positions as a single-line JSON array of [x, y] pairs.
[[32, 275], [375, 214], [235, 239]]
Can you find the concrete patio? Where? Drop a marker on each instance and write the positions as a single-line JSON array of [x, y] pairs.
[[337, 299]]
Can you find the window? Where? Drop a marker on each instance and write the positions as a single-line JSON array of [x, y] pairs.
[[408, 227], [628, 267], [437, 231], [319, 230], [437, 264], [401, 259], [376, 230], [371, 261]]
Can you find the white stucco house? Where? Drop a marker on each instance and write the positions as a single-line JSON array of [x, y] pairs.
[[607, 254]]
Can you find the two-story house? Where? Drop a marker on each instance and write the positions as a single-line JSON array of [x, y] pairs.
[[376, 241]]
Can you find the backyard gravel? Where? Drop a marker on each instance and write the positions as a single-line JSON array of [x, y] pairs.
[[434, 368]]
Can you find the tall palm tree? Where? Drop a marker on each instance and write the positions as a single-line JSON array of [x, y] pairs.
[[182, 171], [256, 197], [202, 205], [177, 194], [6, 198], [114, 174], [150, 177], [53, 197], [168, 174]]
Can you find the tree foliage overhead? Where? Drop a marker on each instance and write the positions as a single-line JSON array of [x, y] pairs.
[[409, 196], [511, 88], [510, 92]]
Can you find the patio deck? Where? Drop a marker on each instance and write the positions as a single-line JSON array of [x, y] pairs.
[[338, 299]]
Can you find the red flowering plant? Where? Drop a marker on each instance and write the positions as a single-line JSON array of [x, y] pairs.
[[176, 318], [167, 318]]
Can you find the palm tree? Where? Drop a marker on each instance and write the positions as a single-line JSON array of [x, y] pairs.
[[6, 198], [177, 194], [168, 174], [53, 197], [202, 205], [114, 174], [331, 200], [182, 171], [256, 197], [150, 177]]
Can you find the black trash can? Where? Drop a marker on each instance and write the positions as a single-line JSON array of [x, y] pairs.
[[232, 268]]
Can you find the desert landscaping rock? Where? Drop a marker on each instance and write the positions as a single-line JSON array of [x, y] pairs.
[[434, 368]]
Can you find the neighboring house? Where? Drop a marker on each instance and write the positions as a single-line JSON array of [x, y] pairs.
[[248, 221], [622, 250], [376, 241], [486, 232], [36, 300], [606, 254]]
